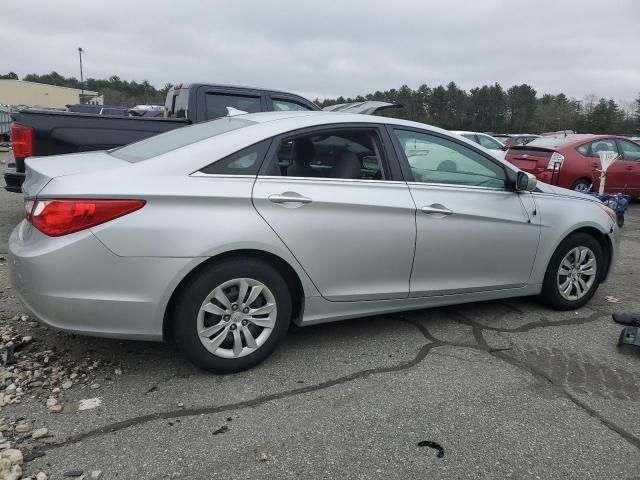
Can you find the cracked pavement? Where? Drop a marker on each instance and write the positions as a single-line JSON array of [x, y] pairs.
[[507, 389]]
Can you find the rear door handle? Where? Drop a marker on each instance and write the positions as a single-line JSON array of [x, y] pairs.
[[629, 168], [289, 197], [438, 209]]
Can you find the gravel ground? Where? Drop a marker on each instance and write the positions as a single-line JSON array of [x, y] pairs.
[[490, 390]]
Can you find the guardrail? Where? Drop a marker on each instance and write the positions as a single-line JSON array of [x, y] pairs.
[[5, 121]]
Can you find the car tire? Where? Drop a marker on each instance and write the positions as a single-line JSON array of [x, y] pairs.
[[581, 185], [566, 271], [201, 315]]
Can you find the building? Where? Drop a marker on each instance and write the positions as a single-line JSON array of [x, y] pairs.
[[19, 93]]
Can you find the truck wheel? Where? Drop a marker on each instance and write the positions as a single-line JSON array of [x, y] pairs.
[[573, 273], [231, 316]]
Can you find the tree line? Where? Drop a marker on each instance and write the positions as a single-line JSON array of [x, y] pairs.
[[489, 108], [115, 90], [519, 109]]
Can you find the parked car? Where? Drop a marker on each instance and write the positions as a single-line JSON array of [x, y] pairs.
[[520, 139], [221, 234], [487, 141], [47, 132], [576, 159]]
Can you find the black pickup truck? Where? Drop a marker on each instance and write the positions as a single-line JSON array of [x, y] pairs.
[[47, 132]]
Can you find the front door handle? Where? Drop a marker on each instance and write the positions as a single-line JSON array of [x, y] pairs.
[[289, 197], [436, 208]]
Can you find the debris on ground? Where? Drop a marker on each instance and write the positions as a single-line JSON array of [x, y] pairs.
[[40, 433], [9, 470], [611, 299], [263, 457], [73, 473], [95, 474], [31, 368], [84, 404], [222, 429]]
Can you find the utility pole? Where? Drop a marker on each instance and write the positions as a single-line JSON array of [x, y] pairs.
[[80, 52]]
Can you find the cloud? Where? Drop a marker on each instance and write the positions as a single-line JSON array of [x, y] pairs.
[[334, 48]]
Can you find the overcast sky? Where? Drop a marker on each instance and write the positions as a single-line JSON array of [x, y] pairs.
[[329, 48]]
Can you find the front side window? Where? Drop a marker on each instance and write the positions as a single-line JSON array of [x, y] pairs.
[[217, 103], [490, 143], [437, 160], [630, 150], [288, 106], [354, 154]]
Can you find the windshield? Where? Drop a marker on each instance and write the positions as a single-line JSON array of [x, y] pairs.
[[166, 142]]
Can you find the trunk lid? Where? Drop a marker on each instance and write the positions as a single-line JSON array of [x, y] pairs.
[[41, 170], [529, 158]]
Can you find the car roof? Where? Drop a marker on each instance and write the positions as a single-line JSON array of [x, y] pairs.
[[570, 139]]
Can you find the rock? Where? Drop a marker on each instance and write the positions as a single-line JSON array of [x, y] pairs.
[[41, 476], [27, 339], [67, 385], [94, 386], [263, 457], [24, 318], [118, 371], [4, 427], [13, 455], [180, 405], [56, 391], [73, 376], [55, 408], [22, 428], [4, 446], [40, 433], [9, 471], [51, 401], [95, 474]]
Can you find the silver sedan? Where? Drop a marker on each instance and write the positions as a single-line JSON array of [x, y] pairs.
[[222, 234]]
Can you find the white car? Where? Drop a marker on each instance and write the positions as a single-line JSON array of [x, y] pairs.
[[487, 141]]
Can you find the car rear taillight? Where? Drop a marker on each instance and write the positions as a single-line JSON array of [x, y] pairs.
[[21, 140], [64, 216], [556, 161]]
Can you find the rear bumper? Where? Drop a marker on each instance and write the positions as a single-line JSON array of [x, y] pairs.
[[74, 283], [13, 179]]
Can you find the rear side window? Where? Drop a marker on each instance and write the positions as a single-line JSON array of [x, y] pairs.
[[354, 154], [602, 146], [245, 162], [216, 104], [177, 103], [180, 137]]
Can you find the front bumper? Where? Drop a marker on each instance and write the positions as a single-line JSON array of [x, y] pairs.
[[13, 179], [74, 283], [614, 238]]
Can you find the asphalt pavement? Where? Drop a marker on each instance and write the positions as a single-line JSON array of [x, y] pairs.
[[506, 389]]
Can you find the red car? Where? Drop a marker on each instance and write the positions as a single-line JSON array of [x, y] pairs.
[[576, 159]]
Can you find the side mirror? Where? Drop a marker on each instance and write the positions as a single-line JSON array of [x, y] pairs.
[[505, 147], [525, 182]]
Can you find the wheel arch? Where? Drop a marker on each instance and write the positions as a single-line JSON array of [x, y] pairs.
[[284, 268], [601, 237]]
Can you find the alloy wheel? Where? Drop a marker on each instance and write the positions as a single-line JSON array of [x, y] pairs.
[[236, 318], [577, 273]]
